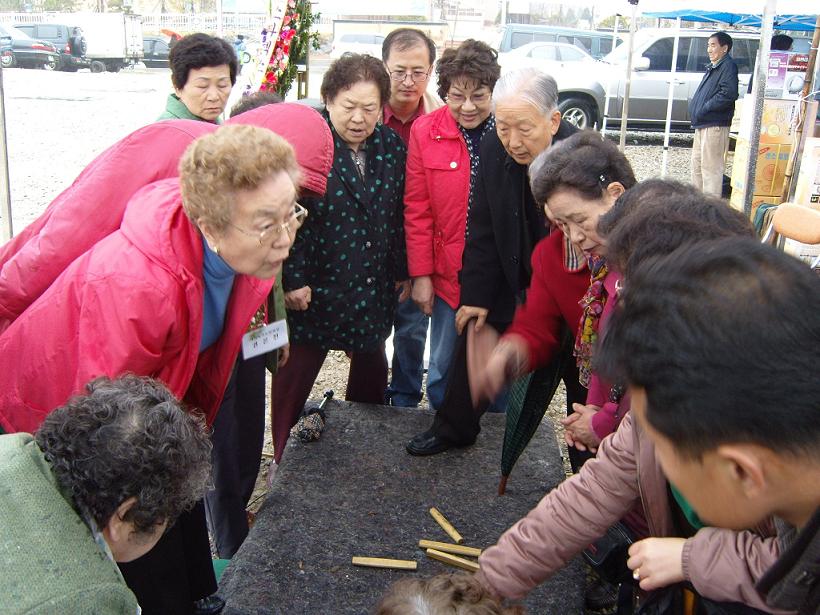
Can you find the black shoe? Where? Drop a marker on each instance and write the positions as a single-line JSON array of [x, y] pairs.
[[211, 605], [601, 596], [430, 443]]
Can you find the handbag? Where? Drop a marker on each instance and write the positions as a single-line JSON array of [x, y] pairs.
[[608, 554]]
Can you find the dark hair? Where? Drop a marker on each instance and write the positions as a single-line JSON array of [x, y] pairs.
[[350, 69], [585, 162], [197, 51], [781, 42], [723, 336], [254, 101], [403, 39], [127, 438], [658, 216], [724, 40], [472, 60]]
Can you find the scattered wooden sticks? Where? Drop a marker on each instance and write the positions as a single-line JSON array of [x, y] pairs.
[[446, 525], [449, 548], [453, 560], [381, 562]]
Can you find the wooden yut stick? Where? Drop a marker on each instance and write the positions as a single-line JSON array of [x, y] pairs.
[[446, 526], [449, 548], [453, 560], [382, 562]]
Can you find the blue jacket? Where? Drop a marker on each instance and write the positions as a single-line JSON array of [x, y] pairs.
[[714, 101]]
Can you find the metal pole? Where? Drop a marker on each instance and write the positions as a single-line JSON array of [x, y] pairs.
[[6, 229], [671, 99], [758, 90], [609, 78], [628, 86], [219, 18]]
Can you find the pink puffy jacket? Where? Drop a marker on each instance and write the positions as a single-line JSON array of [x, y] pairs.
[[437, 186], [722, 565]]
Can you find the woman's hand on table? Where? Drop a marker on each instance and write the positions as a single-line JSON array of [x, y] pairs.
[[299, 299], [423, 294], [578, 430], [466, 313]]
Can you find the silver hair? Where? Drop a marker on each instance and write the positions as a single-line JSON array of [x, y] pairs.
[[528, 85]]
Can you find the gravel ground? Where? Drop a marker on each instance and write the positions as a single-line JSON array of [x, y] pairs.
[[57, 123]]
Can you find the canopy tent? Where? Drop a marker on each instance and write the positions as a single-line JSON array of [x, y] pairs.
[[802, 23]]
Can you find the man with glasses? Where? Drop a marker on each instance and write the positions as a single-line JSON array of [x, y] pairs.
[[408, 55]]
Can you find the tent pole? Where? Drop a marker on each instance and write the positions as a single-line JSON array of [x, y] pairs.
[[609, 78], [6, 229], [628, 86], [670, 99], [758, 91]]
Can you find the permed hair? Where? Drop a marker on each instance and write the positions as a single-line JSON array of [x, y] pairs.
[[658, 216], [349, 70], [254, 101], [715, 332], [585, 162], [528, 85], [472, 60], [723, 39], [402, 39], [127, 438], [234, 157], [444, 594], [197, 51]]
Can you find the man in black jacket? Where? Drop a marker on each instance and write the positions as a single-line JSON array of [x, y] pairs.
[[503, 227], [710, 111]]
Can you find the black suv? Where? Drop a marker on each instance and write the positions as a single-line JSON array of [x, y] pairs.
[[60, 36]]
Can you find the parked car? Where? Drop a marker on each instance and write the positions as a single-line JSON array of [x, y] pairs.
[[581, 95], [596, 43], [155, 51], [366, 43], [29, 52], [60, 36], [549, 57], [6, 53]]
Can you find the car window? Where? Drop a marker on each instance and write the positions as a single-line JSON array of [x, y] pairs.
[[571, 54], [743, 53], [48, 32], [660, 55], [543, 52], [698, 56], [161, 47], [520, 38], [16, 33], [584, 42], [565, 38], [27, 29], [147, 47]]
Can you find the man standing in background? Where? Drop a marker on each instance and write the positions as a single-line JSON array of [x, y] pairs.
[[711, 110], [408, 55]]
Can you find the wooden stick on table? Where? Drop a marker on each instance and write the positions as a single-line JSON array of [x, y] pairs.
[[449, 548], [453, 560], [446, 526], [381, 562]]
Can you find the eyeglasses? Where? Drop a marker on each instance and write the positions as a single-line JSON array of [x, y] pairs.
[[296, 220], [416, 75], [459, 99]]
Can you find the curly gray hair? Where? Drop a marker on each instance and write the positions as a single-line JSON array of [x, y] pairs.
[[126, 438]]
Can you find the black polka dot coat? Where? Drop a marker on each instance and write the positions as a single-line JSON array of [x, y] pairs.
[[351, 249]]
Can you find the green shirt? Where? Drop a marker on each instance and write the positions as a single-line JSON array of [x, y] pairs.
[[49, 559], [175, 109]]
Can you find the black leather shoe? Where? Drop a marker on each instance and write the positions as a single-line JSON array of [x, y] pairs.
[[210, 605], [430, 443]]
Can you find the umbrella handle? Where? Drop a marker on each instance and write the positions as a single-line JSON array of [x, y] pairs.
[[502, 485]]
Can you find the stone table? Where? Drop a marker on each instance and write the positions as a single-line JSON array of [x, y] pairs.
[[357, 492]]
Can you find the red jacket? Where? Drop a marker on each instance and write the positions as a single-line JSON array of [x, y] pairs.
[[132, 303], [553, 298], [437, 186]]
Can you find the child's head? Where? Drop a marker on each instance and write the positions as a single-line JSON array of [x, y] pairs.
[[445, 594], [720, 345]]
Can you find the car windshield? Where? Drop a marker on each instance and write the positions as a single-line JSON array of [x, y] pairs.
[[619, 54], [15, 33]]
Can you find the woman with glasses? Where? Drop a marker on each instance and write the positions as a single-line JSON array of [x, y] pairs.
[[169, 294], [341, 277], [442, 164]]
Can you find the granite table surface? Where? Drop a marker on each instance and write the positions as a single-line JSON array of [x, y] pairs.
[[356, 492]]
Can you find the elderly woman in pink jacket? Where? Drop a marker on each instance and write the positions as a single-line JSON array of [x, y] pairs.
[[442, 161], [721, 565]]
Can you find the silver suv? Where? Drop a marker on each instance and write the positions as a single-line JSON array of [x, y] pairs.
[[581, 96]]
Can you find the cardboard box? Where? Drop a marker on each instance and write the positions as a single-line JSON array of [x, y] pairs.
[[737, 201], [770, 172], [778, 124], [808, 181]]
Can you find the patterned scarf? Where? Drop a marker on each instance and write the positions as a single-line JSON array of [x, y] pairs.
[[592, 303], [473, 151]]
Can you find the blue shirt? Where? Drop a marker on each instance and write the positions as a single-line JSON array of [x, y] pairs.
[[218, 277]]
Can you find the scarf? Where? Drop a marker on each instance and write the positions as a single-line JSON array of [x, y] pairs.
[[592, 305], [473, 150]]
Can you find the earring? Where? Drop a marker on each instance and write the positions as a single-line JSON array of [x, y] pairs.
[[216, 249]]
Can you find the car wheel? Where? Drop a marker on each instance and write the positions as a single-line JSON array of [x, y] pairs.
[[7, 59], [51, 64], [577, 112], [97, 67]]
